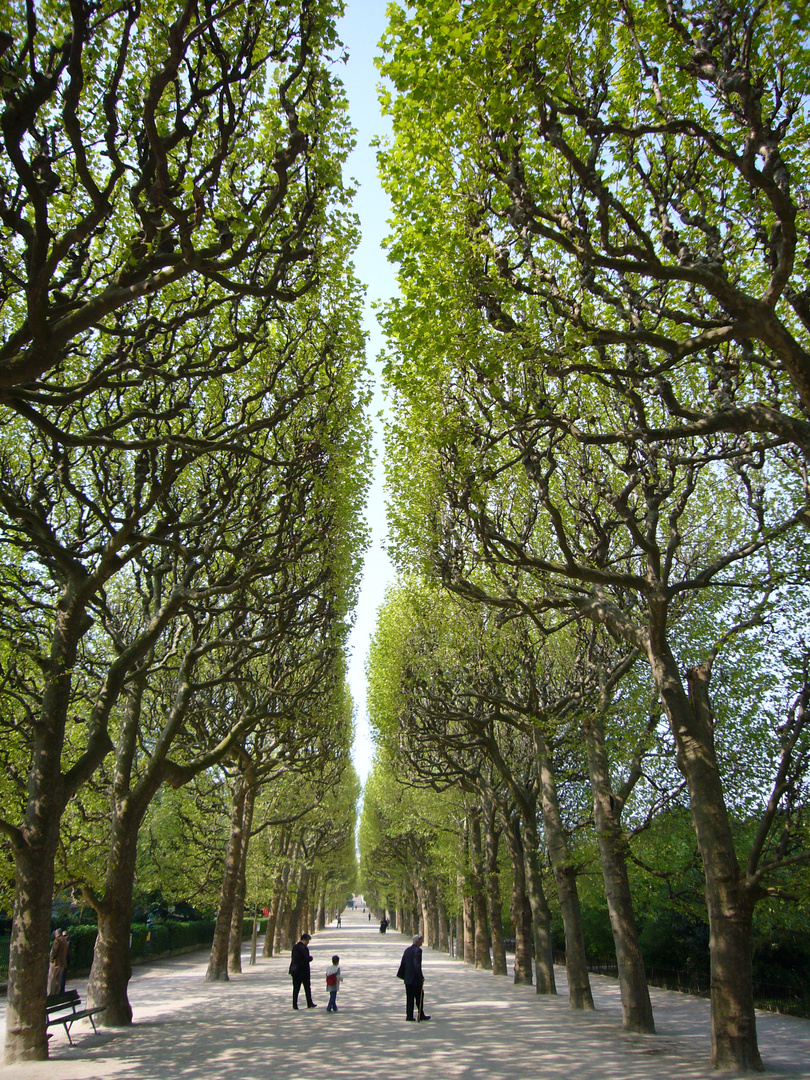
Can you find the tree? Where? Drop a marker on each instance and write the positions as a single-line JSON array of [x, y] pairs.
[[314, 812], [305, 734], [400, 837], [151, 361], [609, 324], [142, 150]]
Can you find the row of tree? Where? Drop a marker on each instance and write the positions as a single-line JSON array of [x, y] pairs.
[[599, 369], [514, 768], [183, 453]]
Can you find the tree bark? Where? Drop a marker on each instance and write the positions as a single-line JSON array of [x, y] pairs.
[[469, 929], [320, 914], [637, 1012], [493, 890], [279, 892], [111, 969], [423, 921], [483, 959], [218, 961], [432, 916], [282, 937], [36, 842], [240, 891], [441, 916], [521, 911], [30, 935], [565, 876], [541, 915], [729, 904], [296, 924], [460, 942]]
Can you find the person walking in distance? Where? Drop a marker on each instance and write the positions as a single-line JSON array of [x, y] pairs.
[[410, 971], [299, 969]]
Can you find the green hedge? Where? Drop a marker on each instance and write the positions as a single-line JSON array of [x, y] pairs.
[[82, 941], [146, 939]]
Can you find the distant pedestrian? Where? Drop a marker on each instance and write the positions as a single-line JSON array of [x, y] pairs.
[[299, 969], [58, 962], [333, 980], [410, 971], [338, 920], [383, 924]]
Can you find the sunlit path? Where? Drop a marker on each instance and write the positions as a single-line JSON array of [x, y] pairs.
[[481, 1027]]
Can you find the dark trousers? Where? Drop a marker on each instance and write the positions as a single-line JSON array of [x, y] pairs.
[[298, 982], [414, 995]]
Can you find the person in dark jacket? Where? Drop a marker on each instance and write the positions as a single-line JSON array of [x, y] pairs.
[[58, 961], [299, 969], [410, 971]]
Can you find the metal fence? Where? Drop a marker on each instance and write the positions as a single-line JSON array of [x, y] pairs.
[[773, 997]]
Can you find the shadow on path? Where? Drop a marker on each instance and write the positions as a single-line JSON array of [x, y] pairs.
[[482, 1028]]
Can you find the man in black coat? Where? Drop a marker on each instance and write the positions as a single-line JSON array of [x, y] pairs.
[[410, 971], [299, 969]]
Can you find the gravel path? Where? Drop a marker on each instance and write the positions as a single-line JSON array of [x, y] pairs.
[[482, 1028]]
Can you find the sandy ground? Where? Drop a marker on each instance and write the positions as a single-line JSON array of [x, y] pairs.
[[481, 1027]]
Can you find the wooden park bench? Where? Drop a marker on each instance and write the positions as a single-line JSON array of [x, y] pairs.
[[65, 1009]]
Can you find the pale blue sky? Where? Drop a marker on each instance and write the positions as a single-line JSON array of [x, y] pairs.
[[360, 30]]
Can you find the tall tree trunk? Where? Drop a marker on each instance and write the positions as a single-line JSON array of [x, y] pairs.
[[469, 929], [432, 916], [460, 942], [276, 902], [308, 919], [320, 914], [236, 934], [423, 920], [218, 961], [441, 916], [521, 911], [30, 937], [483, 960], [111, 969], [493, 889], [637, 1013], [541, 915], [282, 937], [36, 841], [416, 917], [729, 903], [238, 913], [296, 924], [565, 876]]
